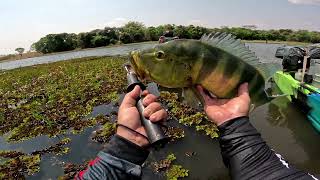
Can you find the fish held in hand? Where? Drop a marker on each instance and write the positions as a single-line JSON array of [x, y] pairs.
[[218, 62]]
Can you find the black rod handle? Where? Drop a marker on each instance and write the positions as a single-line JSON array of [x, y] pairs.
[[154, 131], [156, 135]]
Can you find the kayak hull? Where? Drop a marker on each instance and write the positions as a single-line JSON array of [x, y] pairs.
[[294, 90]]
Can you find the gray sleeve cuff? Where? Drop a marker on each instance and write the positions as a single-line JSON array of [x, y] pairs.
[[126, 150]]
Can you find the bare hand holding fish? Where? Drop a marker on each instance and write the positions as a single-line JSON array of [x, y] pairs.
[[223, 110]]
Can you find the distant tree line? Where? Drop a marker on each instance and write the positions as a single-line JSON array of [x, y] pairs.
[[137, 32], [274, 35]]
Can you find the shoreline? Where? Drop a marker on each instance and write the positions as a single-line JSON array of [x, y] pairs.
[[289, 43], [79, 50]]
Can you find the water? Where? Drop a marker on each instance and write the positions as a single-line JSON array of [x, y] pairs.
[[284, 127], [262, 50], [108, 51]]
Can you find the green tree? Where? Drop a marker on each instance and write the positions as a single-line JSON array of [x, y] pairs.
[[33, 47], [20, 50], [181, 32], [195, 32], [125, 38], [160, 30], [169, 27], [85, 39], [151, 34], [135, 30], [56, 43], [99, 41], [110, 34], [315, 37], [303, 36]]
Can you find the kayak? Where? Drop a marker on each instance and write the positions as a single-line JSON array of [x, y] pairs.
[[305, 95], [314, 114]]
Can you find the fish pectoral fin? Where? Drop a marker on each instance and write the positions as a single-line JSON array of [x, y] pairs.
[[192, 97]]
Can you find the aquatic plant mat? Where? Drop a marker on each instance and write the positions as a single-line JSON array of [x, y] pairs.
[[62, 99]]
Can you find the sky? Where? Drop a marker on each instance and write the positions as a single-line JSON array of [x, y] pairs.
[[25, 22]]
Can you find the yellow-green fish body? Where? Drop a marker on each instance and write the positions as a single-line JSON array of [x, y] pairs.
[[218, 62]]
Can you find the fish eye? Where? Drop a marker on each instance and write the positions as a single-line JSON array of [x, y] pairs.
[[160, 54]]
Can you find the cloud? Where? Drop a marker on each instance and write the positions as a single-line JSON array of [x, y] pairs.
[[117, 22], [308, 2]]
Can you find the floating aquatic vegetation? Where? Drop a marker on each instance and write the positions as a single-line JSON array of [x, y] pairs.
[[186, 115], [210, 130], [173, 172], [102, 119], [10, 154], [15, 165], [194, 119], [174, 133], [51, 98], [70, 170], [104, 134], [164, 164], [176, 171], [58, 148]]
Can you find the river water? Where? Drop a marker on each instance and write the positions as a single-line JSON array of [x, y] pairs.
[[108, 51], [284, 127]]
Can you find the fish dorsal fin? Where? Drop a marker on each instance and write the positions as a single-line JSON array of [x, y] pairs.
[[267, 70], [228, 43]]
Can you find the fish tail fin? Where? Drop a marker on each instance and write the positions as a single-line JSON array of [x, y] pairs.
[[267, 70], [271, 90]]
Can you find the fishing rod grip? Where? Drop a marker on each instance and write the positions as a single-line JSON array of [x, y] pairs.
[[155, 134], [154, 131]]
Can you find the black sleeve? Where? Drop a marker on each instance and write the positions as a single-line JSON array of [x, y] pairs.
[[248, 156], [120, 159]]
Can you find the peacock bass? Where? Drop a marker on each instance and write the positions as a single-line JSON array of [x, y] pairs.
[[218, 62]]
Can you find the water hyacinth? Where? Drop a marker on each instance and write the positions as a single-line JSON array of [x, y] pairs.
[[186, 115], [164, 164], [16, 165], [49, 99], [176, 172], [172, 171], [104, 134], [58, 98], [174, 133], [70, 170]]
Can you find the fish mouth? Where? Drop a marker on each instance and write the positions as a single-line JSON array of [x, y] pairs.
[[134, 58]]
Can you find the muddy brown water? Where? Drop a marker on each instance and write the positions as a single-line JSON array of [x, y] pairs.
[[284, 127]]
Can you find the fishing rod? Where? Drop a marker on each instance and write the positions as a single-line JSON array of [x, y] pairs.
[[155, 134]]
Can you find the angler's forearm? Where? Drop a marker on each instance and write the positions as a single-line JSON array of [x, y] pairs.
[[248, 156], [121, 159]]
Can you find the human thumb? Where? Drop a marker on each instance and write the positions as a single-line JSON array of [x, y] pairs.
[[130, 99], [205, 97]]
